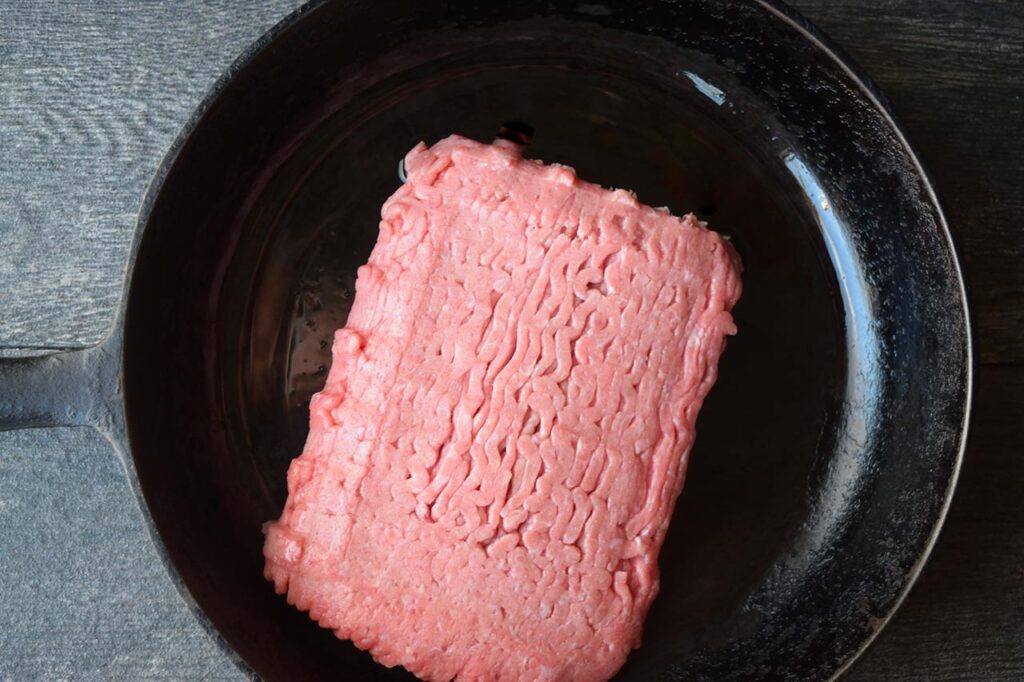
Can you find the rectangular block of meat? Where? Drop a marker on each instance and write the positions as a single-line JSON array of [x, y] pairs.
[[493, 461]]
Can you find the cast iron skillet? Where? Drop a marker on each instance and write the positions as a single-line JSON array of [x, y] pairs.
[[827, 453]]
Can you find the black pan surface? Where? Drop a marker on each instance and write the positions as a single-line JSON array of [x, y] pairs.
[[827, 452]]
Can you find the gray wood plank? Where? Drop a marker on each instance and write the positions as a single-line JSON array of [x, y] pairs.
[[91, 96], [84, 595]]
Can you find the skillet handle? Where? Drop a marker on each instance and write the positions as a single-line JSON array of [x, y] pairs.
[[69, 388]]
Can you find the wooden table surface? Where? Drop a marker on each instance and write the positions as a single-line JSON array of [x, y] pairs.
[[91, 95]]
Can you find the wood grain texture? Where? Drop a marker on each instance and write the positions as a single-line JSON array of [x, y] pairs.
[[92, 94], [84, 594]]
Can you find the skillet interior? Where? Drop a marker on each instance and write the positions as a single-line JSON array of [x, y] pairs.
[[824, 453]]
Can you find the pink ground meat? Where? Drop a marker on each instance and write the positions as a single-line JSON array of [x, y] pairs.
[[493, 462]]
